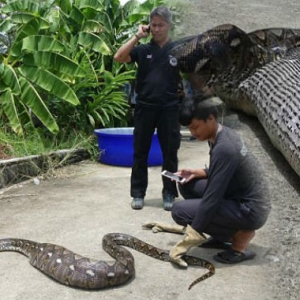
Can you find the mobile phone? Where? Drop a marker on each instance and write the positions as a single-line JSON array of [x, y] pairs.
[[148, 29], [173, 176]]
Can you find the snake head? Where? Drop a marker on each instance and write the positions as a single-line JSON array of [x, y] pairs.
[[217, 49], [189, 54]]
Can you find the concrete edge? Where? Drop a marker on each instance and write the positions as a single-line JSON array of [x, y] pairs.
[[16, 170]]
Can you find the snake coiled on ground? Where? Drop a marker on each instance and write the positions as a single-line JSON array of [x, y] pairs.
[[74, 270], [256, 72]]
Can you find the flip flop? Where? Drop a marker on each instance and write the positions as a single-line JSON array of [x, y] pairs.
[[233, 257], [215, 244]]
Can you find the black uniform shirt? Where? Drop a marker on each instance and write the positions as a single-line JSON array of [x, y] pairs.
[[233, 174], [157, 75]]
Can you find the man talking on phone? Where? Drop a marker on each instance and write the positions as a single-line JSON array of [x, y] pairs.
[[157, 103]]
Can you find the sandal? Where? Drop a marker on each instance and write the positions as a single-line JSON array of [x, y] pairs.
[[232, 257], [215, 244]]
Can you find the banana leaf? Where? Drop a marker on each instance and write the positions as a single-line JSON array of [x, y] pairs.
[[32, 99], [54, 61], [50, 83], [9, 107]]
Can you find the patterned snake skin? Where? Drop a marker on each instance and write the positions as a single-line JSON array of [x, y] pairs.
[[257, 73], [74, 270]]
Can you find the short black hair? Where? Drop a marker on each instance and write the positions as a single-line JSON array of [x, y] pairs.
[[163, 12], [199, 107]]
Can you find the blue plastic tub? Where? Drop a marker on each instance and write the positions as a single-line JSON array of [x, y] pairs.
[[116, 147]]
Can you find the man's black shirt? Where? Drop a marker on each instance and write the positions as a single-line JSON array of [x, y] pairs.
[[157, 75], [234, 175]]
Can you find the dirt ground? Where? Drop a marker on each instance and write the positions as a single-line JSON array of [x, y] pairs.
[[86, 201]]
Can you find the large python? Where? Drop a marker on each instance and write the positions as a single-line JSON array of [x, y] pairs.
[[256, 72], [74, 270]]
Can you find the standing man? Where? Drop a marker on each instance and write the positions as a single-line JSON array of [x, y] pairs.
[[157, 103]]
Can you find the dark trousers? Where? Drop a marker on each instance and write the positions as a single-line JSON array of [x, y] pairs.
[[165, 121], [231, 216]]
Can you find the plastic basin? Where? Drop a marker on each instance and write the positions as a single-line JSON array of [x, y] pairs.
[[116, 147]]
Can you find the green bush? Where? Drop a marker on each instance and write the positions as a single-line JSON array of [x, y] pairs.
[[57, 74]]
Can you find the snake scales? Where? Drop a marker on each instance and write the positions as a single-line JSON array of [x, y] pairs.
[[257, 73], [74, 270]]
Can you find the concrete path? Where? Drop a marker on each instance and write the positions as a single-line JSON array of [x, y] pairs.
[[88, 200]]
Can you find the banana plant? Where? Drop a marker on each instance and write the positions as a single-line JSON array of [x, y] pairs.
[[35, 68], [57, 57]]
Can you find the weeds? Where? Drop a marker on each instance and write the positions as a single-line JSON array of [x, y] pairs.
[[37, 143]]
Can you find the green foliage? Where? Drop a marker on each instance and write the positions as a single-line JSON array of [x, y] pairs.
[[35, 144], [29, 71], [61, 58], [57, 73]]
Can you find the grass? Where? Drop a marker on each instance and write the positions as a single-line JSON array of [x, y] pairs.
[[37, 143]]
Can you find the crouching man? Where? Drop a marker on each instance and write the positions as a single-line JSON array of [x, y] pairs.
[[229, 200]]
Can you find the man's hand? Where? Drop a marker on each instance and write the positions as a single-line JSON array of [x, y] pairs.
[[191, 239], [143, 31], [190, 174]]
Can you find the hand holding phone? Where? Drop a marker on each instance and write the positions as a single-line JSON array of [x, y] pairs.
[[173, 176], [144, 31], [146, 28]]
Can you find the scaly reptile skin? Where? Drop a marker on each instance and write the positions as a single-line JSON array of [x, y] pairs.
[[72, 269], [256, 72]]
